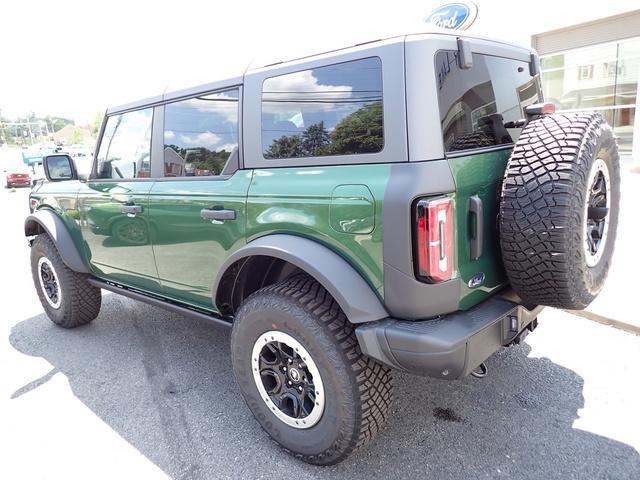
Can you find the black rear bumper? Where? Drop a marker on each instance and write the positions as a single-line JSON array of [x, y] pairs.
[[450, 346]]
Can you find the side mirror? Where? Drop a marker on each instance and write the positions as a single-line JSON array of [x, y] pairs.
[[59, 167]]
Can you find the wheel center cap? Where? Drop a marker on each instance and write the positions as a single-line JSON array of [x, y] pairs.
[[294, 374]]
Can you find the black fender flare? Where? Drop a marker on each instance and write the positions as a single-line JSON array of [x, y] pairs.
[[357, 299], [47, 221]]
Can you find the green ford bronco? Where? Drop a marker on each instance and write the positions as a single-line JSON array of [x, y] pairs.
[[407, 204]]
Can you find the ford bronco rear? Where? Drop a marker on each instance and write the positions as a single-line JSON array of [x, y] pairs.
[[406, 204]]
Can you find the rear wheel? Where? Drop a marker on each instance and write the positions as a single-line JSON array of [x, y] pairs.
[[302, 374], [559, 209], [66, 296]]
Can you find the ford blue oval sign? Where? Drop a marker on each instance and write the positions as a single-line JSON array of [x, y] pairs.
[[453, 16]]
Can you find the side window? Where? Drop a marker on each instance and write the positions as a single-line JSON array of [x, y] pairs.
[[332, 110], [201, 135], [476, 104], [125, 150]]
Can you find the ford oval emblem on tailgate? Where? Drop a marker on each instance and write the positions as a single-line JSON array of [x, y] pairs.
[[476, 280]]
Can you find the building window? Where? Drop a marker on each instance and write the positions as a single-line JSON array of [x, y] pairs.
[[476, 104], [600, 77], [201, 135], [585, 72], [125, 149], [331, 110]]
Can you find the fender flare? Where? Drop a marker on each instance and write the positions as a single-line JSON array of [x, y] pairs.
[[357, 299], [49, 222]]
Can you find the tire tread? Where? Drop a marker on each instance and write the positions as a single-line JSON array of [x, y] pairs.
[[540, 207], [84, 299], [373, 383]]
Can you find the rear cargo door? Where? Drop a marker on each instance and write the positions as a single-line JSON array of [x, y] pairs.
[[476, 105]]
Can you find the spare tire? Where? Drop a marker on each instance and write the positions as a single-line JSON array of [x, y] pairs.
[[559, 209]]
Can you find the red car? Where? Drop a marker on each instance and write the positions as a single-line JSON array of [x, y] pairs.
[[15, 179]]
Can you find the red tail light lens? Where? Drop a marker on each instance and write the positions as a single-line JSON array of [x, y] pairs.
[[434, 239]]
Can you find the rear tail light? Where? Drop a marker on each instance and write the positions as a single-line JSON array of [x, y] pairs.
[[434, 239]]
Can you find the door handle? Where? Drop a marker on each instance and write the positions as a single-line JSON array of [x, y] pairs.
[[475, 209], [131, 209], [217, 214]]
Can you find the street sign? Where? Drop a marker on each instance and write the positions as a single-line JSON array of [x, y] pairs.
[[453, 16]]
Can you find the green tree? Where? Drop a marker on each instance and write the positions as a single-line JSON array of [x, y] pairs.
[[315, 139], [287, 146], [57, 123], [96, 123], [359, 132], [76, 136]]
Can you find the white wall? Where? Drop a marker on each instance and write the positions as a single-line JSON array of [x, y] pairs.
[[516, 21]]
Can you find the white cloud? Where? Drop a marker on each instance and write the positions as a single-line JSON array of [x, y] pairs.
[[304, 82], [228, 110], [300, 82], [227, 146], [168, 135], [204, 139]]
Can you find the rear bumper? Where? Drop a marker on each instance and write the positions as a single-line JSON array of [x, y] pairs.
[[451, 346]]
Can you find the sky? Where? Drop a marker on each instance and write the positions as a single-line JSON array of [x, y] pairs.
[[74, 58]]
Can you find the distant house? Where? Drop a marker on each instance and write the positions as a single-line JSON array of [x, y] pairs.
[[67, 135], [173, 163]]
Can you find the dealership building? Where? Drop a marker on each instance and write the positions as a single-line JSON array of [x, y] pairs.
[[596, 66]]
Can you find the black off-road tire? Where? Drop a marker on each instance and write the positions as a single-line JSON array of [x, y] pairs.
[[358, 390], [543, 209], [79, 301]]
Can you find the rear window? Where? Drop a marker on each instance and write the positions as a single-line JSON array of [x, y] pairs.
[[476, 103], [329, 110]]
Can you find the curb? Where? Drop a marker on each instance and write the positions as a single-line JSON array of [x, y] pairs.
[[627, 327]]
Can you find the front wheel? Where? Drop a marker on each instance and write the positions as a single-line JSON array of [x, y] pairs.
[[302, 374], [68, 299]]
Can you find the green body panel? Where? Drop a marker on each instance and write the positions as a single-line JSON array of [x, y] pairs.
[[352, 209], [301, 201], [189, 250], [118, 245], [481, 175], [62, 198], [169, 250]]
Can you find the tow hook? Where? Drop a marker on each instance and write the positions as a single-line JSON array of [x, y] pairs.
[[481, 371]]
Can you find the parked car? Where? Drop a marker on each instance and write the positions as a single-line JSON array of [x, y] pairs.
[[407, 204], [17, 178]]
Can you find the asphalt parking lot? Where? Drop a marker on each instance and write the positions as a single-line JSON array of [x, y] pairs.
[[142, 393]]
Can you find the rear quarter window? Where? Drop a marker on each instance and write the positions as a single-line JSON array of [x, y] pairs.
[[476, 103], [329, 110]]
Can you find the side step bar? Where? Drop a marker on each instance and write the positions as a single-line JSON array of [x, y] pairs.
[[159, 302]]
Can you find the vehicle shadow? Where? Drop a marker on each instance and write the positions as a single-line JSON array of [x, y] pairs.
[[164, 383]]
